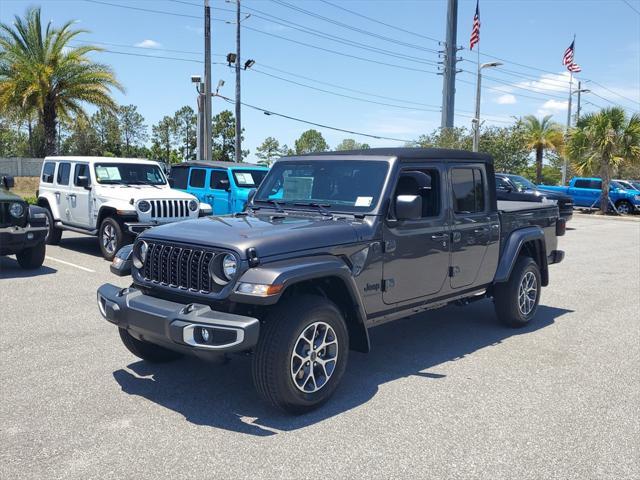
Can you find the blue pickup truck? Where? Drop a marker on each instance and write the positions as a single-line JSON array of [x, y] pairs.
[[223, 185], [586, 193]]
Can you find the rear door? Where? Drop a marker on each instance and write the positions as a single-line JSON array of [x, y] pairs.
[[80, 197], [219, 196], [61, 190], [416, 252], [198, 183], [474, 227]]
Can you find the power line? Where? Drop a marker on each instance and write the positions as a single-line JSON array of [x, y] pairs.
[[381, 23], [632, 7], [614, 92], [144, 9], [350, 27], [320, 125]]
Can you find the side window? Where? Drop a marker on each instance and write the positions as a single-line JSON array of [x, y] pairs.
[[196, 180], [582, 184], [596, 184], [502, 184], [179, 176], [468, 190], [64, 169], [219, 180], [47, 172], [426, 184], [82, 170]]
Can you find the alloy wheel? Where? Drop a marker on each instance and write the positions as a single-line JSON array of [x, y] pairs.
[[314, 357], [109, 238], [527, 293]]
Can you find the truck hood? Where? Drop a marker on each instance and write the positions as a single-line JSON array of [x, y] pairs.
[[140, 192], [268, 234], [549, 194]]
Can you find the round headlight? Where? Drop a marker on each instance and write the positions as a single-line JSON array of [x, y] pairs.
[[144, 206], [193, 205], [140, 254], [229, 266], [16, 210]]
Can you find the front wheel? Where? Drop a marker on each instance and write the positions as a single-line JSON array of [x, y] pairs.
[[112, 237], [624, 207], [54, 234], [301, 354], [516, 301], [32, 258]]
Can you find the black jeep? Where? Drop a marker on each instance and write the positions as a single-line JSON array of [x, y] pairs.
[[22, 227], [331, 245]]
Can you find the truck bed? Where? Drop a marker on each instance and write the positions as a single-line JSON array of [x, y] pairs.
[[511, 206], [516, 215]]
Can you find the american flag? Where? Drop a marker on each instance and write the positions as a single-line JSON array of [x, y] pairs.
[[567, 58], [475, 31], [574, 68]]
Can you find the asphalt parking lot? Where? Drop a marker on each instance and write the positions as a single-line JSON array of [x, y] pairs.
[[449, 394]]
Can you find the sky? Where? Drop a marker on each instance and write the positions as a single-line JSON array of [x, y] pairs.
[[397, 88]]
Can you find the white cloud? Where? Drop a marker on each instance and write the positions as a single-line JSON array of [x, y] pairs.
[[551, 107], [506, 99], [148, 44]]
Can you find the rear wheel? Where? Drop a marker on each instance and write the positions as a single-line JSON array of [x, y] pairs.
[[147, 351], [31, 258], [112, 237], [53, 234], [301, 354], [516, 301]]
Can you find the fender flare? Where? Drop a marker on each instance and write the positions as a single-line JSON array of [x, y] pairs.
[[114, 205], [512, 248], [295, 271], [47, 200]]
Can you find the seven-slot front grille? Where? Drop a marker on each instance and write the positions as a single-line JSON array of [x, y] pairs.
[[179, 267], [169, 208]]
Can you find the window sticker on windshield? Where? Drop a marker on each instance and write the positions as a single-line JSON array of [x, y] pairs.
[[363, 201], [108, 173], [245, 178], [297, 188]]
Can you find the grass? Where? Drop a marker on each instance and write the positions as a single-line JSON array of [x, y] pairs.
[[26, 187]]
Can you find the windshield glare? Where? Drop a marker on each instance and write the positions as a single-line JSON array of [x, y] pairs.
[[522, 183], [248, 178], [129, 174], [345, 185]]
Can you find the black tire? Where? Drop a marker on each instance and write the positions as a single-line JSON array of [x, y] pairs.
[[273, 362], [624, 207], [147, 351], [53, 234], [507, 295], [112, 228], [32, 258]]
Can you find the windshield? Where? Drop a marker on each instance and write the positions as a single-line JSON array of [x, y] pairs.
[[625, 184], [129, 174], [248, 178], [345, 185], [522, 183]]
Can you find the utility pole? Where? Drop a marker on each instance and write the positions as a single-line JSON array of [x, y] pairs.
[[449, 77], [206, 129], [238, 146]]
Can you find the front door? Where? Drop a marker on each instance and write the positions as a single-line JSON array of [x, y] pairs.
[[474, 228], [416, 252], [80, 197], [197, 185]]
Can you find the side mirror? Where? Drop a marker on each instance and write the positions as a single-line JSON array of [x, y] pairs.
[[251, 196], [83, 181], [408, 207], [47, 178], [224, 183], [8, 181], [172, 182]]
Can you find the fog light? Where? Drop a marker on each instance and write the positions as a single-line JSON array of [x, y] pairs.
[[102, 306], [204, 332], [29, 236]]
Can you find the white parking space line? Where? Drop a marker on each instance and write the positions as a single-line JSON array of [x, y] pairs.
[[70, 264]]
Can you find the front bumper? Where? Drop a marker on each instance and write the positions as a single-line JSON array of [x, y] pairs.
[[16, 239], [175, 325]]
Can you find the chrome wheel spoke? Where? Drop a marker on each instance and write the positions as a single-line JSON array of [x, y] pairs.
[[527, 293], [314, 357]]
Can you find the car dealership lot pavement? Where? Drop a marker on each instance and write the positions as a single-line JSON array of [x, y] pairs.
[[447, 394]]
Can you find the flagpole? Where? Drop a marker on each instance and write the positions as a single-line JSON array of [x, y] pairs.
[[566, 163]]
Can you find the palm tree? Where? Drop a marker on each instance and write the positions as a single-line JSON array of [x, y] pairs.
[[40, 71], [541, 135], [602, 141]]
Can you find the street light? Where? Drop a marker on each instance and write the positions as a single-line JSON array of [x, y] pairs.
[[476, 120], [201, 132]]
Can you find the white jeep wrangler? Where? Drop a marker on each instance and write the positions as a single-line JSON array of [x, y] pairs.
[[113, 198]]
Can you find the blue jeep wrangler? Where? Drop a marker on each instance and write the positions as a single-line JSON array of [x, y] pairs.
[[223, 185]]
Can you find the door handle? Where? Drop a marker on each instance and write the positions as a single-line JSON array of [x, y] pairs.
[[444, 236], [72, 195], [481, 230]]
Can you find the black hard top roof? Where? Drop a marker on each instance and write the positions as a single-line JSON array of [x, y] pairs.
[[409, 154], [218, 164]]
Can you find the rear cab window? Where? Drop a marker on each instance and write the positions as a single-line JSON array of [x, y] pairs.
[[468, 189], [197, 177], [48, 171]]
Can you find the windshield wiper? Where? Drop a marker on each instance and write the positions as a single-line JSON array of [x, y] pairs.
[[275, 203], [320, 206]]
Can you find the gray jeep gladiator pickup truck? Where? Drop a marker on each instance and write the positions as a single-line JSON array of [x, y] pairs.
[[329, 246]]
